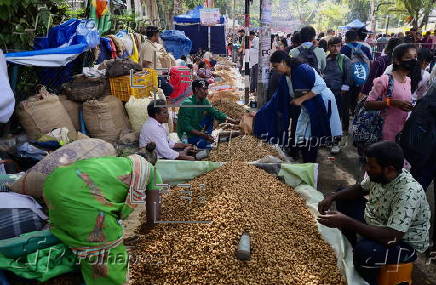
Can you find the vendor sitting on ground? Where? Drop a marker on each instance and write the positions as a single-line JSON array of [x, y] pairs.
[[196, 121], [87, 199], [154, 131], [393, 224], [204, 72]]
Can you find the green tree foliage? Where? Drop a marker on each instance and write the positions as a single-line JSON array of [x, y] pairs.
[[417, 10], [331, 14], [18, 21], [359, 9]]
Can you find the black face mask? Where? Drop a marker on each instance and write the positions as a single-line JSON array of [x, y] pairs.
[[408, 64]]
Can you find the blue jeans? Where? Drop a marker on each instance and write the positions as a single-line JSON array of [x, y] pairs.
[[207, 125], [369, 255]]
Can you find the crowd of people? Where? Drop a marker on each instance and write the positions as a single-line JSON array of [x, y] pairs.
[[325, 89]]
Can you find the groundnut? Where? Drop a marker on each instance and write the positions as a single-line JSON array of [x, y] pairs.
[[286, 247], [231, 109], [243, 148]]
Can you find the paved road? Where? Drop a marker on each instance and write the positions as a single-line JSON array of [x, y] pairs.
[[344, 171]]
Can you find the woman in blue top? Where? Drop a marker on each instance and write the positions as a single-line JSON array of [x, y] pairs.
[[318, 121]]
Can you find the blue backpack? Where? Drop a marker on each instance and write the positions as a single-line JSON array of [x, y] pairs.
[[359, 65]]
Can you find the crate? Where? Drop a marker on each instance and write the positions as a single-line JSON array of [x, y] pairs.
[[122, 88]]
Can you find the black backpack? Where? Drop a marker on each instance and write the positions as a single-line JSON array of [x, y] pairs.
[[309, 56], [418, 138]]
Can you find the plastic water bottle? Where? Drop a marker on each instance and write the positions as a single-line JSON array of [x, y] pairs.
[[243, 252], [184, 138]]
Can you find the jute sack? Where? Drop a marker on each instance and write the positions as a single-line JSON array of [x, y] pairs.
[[166, 59], [32, 182], [246, 124], [72, 108], [105, 118], [42, 113]]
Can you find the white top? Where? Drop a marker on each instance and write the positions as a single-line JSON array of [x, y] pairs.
[[180, 62], [254, 52], [153, 131], [207, 55]]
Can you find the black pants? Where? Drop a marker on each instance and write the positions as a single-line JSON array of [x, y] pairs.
[[309, 153], [425, 175], [349, 105], [294, 112], [309, 150], [343, 112], [253, 77], [370, 255]]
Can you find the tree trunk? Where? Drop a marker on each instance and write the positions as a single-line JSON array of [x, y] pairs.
[[152, 12], [138, 9], [264, 51], [177, 7], [129, 6], [373, 18]]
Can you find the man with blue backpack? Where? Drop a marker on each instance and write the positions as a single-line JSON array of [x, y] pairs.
[[360, 56]]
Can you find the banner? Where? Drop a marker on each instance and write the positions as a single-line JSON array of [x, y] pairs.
[[210, 16]]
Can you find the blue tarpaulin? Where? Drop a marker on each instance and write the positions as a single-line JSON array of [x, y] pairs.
[[176, 42], [63, 44], [199, 35]]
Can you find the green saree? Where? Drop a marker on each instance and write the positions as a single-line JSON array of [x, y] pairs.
[[86, 200]]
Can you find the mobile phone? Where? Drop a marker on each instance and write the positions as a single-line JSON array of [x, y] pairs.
[[300, 92]]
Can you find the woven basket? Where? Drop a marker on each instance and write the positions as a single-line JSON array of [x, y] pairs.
[[83, 88]]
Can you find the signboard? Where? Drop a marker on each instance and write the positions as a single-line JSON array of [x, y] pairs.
[[210, 16]]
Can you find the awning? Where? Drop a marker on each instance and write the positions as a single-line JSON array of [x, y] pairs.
[[50, 57], [356, 24]]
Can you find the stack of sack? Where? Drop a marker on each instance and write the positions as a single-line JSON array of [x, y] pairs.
[[42, 113]]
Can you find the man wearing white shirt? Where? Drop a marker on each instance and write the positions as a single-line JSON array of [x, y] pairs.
[[154, 131], [254, 60]]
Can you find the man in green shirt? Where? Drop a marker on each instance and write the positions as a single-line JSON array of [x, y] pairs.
[[196, 121], [392, 223]]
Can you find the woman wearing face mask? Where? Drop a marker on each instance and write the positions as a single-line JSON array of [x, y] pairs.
[[395, 109], [419, 77]]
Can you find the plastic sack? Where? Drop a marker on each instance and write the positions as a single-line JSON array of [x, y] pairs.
[[176, 42], [7, 100], [88, 30], [29, 151], [28, 242], [137, 111], [62, 35], [42, 264], [127, 41], [180, 79]]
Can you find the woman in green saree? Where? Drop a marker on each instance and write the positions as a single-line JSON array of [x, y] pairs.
[[87, 199]]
